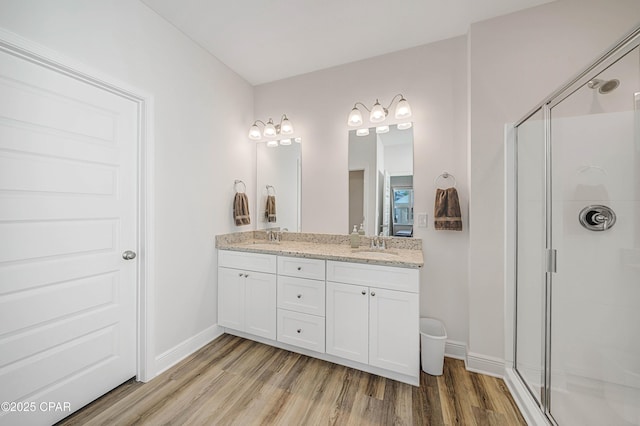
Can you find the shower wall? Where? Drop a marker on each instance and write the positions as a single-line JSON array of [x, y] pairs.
[[595, 267]]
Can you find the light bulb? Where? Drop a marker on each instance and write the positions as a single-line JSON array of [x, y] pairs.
[[404, 126], [362, 132], [254, 132], [382, 129], [377, 113], [285, 142], [355, 117], [269, 130], [403, 110], [286, 128], [272, 144]]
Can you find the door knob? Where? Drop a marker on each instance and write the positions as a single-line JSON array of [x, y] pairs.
[[129, 255]]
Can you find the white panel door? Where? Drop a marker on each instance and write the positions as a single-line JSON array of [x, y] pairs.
[[68, 190], [347, 321], [394, 331], [260, 304]]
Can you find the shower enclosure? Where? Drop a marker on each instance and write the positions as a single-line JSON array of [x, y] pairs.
[[574, 238]]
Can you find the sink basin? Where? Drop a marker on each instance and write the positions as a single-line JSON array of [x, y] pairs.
[[265, 245], [375, 253]]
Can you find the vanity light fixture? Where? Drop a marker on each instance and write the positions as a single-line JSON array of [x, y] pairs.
[[285, 142], [378, 113], [272, 144], [297, 140], [271, 130], [405, 126], [362, 132], [382, 129]]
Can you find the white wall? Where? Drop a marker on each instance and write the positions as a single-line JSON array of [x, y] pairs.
[[515, 61], [201, 114], [433, 79]]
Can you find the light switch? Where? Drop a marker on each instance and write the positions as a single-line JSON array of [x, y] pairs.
[[422, 220]]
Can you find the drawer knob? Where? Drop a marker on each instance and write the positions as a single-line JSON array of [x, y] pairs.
[[240, 275], [299, 268], [299, 296], [373, 293], [364, 292], [299, 330]]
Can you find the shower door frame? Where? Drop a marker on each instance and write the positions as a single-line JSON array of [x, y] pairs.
[[533, 412]]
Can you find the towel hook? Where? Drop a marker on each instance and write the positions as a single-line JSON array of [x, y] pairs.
[[445, 175], [272, 188], [235, 185]]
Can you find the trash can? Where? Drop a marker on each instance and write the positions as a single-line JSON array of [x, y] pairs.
[[433, 336]]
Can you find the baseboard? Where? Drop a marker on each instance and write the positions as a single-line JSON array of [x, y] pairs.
[[168, 359], [454, 349], [485, 365]]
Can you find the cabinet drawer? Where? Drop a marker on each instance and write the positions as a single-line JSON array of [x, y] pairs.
[[248, 261], [301, 295], [303, 330], [301, 267], [390, 277]]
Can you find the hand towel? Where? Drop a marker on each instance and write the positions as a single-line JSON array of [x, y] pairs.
[[241, 209], [446, 212], [270, 210]]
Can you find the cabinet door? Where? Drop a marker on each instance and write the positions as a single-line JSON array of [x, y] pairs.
[[231, 298], [347, 321], [260, 304], [394, 337]]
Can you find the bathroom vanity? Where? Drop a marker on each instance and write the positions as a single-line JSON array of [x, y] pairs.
[[315, 295]]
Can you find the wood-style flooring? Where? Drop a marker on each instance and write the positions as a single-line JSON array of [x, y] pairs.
[[234, 381]]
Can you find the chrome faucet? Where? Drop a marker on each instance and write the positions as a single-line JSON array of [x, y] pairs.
[[377, 242], [275, 236]]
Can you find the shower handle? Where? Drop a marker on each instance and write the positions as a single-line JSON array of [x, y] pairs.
[[597, 217]]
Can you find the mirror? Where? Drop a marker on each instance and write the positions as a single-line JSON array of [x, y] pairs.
[[278, 174], [381, 181]]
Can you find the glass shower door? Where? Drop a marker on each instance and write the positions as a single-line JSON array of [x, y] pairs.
[[530, 249], [595, 228]]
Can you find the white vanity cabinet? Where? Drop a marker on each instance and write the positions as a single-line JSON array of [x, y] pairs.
[[373, 315], [361, 315], [247, 292]]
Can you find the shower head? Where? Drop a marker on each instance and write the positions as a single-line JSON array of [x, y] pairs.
[[603, 86]]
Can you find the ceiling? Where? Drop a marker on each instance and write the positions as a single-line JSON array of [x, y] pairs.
[[268, 40]]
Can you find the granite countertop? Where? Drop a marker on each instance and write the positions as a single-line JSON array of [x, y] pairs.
[[400, 252]]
